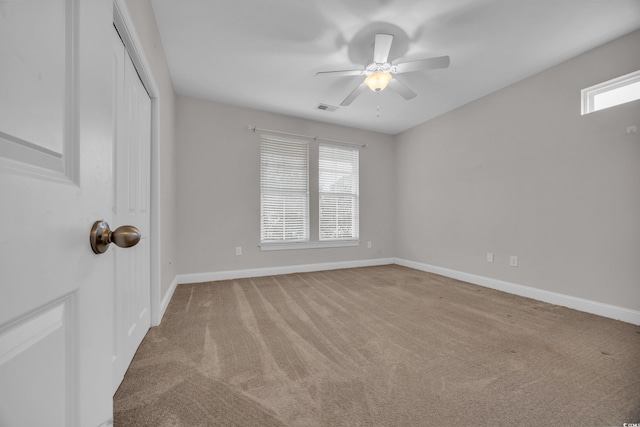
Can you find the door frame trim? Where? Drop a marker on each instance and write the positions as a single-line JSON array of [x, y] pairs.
[[124, 24]]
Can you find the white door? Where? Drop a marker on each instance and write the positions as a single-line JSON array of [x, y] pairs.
[[56, 179], [131, 206]]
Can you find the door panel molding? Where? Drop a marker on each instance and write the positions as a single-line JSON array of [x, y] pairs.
[[41, 341], [38, 135]]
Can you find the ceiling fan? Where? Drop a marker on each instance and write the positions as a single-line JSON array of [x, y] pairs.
[[380, 72]]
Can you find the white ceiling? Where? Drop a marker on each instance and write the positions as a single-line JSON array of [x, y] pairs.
[[264, 54]]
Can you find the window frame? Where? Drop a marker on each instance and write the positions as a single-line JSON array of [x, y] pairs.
[[350, 191], [589, 94], [313, 214]]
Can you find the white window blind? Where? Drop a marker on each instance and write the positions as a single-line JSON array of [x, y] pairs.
[[284, 190], [338, 179]]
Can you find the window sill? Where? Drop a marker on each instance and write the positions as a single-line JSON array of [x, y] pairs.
[[308, 245]]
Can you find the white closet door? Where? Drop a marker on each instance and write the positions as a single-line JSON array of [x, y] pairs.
[[131, 206]]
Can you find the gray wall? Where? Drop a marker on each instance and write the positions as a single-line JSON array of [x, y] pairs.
[[521, 172], [518, 172], [145, 24], [219, 189]]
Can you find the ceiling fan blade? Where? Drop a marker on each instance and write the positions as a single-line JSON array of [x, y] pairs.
[[381, 48], [422, 64], [353, 95], [402, 89], [341, 73]]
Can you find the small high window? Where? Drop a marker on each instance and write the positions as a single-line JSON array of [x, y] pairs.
[[611, 93]]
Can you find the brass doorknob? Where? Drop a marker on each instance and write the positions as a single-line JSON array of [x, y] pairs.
[[101, 236]]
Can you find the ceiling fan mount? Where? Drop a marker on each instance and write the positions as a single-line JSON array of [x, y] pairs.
[[380, 73], [375, 67]]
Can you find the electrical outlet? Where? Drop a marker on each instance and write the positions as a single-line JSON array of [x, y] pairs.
[[238, 250], [513, 261], [369, 244], [489, 257]]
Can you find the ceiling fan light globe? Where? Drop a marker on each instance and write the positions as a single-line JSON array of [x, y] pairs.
[[378, 81]]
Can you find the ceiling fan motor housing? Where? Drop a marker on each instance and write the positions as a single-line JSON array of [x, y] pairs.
[[379, 68]]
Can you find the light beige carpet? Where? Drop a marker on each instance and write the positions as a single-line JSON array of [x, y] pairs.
[[377, 346]]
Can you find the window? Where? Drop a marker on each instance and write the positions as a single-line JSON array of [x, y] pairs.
[[284, 190], [338, 183], [286, 193], [611, 93]]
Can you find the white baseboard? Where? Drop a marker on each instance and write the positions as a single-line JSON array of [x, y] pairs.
[[271, 271], [167, 297], [581, 304]]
